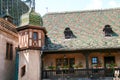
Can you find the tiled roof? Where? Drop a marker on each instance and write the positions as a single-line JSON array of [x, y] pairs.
[[8, 27], [35, 19], [87, 26]]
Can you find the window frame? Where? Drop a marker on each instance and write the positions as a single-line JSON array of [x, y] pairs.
[[23, 70], [95, 61], [108, 32], [68, 34], [35, 41], [36, 36], [9, 51], [65, 63]]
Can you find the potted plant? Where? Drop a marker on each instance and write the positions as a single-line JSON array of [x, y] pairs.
[[75, 66], [80, 65], [115, 65], [51, 67], [99, 65], [65, 67]]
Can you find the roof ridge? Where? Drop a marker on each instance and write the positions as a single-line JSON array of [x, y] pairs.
[[82, 11]]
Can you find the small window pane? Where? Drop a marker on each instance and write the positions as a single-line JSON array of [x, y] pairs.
[[94, 60], [35, 35]]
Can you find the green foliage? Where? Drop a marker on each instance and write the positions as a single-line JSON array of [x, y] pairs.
[[66, 66], [51, 67]]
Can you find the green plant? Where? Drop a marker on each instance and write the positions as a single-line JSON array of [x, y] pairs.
[[111, 65], [51, 67], [66, 66], [75, 66], [80, 65]]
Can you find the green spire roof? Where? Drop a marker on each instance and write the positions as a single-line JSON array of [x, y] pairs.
[[35, 19]]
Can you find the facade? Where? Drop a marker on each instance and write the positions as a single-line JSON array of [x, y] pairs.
[[84, 40], [69, 44], [8, 44]]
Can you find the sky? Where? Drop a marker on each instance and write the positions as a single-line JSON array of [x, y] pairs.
[[48, 6]]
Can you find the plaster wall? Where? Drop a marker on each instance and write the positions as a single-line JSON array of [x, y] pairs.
[[7, 67], [79, 57], [30, 59]]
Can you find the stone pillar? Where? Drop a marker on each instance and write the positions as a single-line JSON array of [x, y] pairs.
[[86, 54], [87, 61]]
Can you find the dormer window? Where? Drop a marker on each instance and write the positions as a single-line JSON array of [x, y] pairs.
[[68, 33], [108, 31]]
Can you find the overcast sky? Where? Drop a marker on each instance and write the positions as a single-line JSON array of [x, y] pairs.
[[45, 6]]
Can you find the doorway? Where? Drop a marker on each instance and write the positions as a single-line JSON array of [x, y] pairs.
[[108, 60]]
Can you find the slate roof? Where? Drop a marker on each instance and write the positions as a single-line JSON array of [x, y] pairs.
[[7, 25], [87, 26]]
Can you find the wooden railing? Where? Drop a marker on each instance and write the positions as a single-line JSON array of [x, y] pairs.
[[78, 73]]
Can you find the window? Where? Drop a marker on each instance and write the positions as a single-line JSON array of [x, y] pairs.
[[35, 39], [23, 70], [65, 63], [9, 51], [35, 36], [68, 33], [94, 60], [108, 31]]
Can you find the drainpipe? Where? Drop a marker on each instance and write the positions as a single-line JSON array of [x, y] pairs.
[[41, 53], [17, 63]]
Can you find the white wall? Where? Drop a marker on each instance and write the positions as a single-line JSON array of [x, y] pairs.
[[7, 67], [31, 59]]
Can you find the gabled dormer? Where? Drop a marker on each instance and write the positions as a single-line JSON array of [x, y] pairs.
[[108, 31], [68, 33]]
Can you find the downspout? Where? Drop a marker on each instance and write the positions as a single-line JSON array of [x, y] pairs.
[[41, 66], [17, 64]]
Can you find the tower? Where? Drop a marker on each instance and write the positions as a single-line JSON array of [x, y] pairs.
[[31, 41]]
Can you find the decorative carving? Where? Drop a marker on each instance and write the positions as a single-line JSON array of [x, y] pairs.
[[116, 74]]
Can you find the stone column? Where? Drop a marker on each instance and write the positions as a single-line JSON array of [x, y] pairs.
[[86, 54]]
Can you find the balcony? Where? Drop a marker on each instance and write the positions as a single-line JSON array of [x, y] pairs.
[[75, 74]]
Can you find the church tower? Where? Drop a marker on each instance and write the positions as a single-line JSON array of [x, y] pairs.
[[31, 42]]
